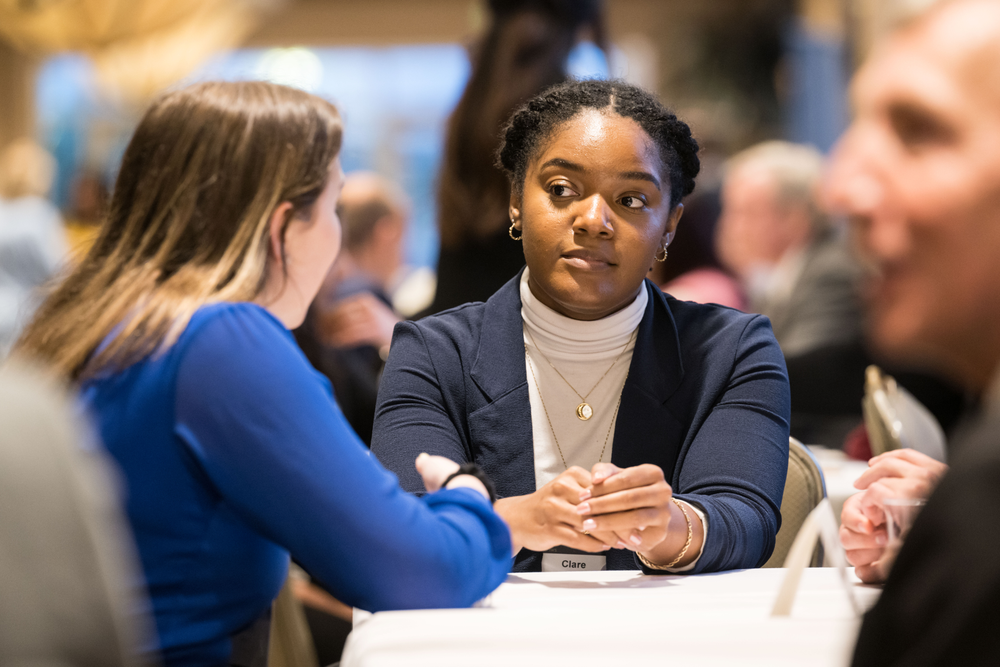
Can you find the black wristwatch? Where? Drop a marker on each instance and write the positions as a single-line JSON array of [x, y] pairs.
[[477, 472]]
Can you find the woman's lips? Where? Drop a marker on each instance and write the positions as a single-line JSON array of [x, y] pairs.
[[586, 261]]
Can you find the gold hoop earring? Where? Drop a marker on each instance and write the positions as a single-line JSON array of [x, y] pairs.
[[511, 232], [664, 258]]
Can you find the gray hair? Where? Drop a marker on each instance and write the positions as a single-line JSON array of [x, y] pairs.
[[797, 171]]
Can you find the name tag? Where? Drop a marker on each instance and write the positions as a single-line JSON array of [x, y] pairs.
[[560, 559]]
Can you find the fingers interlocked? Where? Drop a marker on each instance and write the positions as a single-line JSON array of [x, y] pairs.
[[627, 508], [557, 515]]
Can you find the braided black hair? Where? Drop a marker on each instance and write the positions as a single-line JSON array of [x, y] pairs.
[[534, 122]]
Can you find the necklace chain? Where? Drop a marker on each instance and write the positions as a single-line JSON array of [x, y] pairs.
[[555, 438], [583, 397]]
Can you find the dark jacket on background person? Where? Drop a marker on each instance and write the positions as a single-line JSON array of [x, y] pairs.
[[354, 372], [823, 306]]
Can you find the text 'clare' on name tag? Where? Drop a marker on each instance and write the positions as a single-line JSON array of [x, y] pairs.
[[562, 559]]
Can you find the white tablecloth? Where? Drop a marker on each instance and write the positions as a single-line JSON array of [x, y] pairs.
[[591, 618]]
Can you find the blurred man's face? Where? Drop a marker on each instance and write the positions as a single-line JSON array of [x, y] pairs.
[[919, 174]]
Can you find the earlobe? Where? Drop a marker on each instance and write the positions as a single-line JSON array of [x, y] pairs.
[[514, 206], [675, 217], [515, 217]]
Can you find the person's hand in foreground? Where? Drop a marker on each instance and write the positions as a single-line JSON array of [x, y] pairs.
[[632, 508], [549, 517], [436, 469], [901, 473]]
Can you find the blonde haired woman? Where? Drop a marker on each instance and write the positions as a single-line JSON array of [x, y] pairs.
[[222, 226]]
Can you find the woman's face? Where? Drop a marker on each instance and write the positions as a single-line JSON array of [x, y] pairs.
[[594, 210], [311, 245]]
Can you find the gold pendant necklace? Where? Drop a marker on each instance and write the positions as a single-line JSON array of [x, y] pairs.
[[584, 411], [555, 439]]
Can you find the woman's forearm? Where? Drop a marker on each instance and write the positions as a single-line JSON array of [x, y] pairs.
[[667, 551], [511, 511]]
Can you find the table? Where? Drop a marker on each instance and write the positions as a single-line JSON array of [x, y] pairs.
[[623, 617]]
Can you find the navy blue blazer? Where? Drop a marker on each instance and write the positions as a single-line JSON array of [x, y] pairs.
[[706, 399]]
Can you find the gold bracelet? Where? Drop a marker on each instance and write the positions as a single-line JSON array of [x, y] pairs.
[[684, 549]]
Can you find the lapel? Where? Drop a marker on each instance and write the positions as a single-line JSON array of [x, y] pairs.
[[646, 431], [501, 430]]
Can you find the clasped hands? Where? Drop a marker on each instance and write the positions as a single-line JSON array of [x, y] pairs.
[[901, 473], [594, 511]]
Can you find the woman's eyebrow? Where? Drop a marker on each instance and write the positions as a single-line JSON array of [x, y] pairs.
[[641, 176], [625, 175], [565, 164]]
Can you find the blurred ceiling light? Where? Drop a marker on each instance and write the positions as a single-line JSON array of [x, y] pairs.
[[587, 61], [297, 67], [138, 46], [26, 5]]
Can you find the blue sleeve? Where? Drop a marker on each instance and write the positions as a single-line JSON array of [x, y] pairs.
[[272, 441], [735, 467]]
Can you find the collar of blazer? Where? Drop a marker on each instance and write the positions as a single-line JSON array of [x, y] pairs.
[[656, 369]]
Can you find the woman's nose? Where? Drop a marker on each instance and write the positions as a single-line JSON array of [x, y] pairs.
[[594, 217]]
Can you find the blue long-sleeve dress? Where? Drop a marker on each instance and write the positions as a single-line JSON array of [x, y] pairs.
[[234, 454]]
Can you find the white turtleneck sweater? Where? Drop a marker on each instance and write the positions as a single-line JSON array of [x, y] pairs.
[[582, 351]]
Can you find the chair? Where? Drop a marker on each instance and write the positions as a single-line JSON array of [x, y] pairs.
[[67, 561], [804, 489], [291, 643], [895, 419]]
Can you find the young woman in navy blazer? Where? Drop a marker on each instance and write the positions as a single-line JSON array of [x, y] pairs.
[[693, 478]]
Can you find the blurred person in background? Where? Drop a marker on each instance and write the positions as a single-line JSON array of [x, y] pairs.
[[32, 237], [693, 272], [773, 235], [799, 271], [347, 332], [235, 455], [525, 50], [87, 210], [918, 172]]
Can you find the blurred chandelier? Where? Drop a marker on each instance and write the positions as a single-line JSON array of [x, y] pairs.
[[26, 5], [138, 46]]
